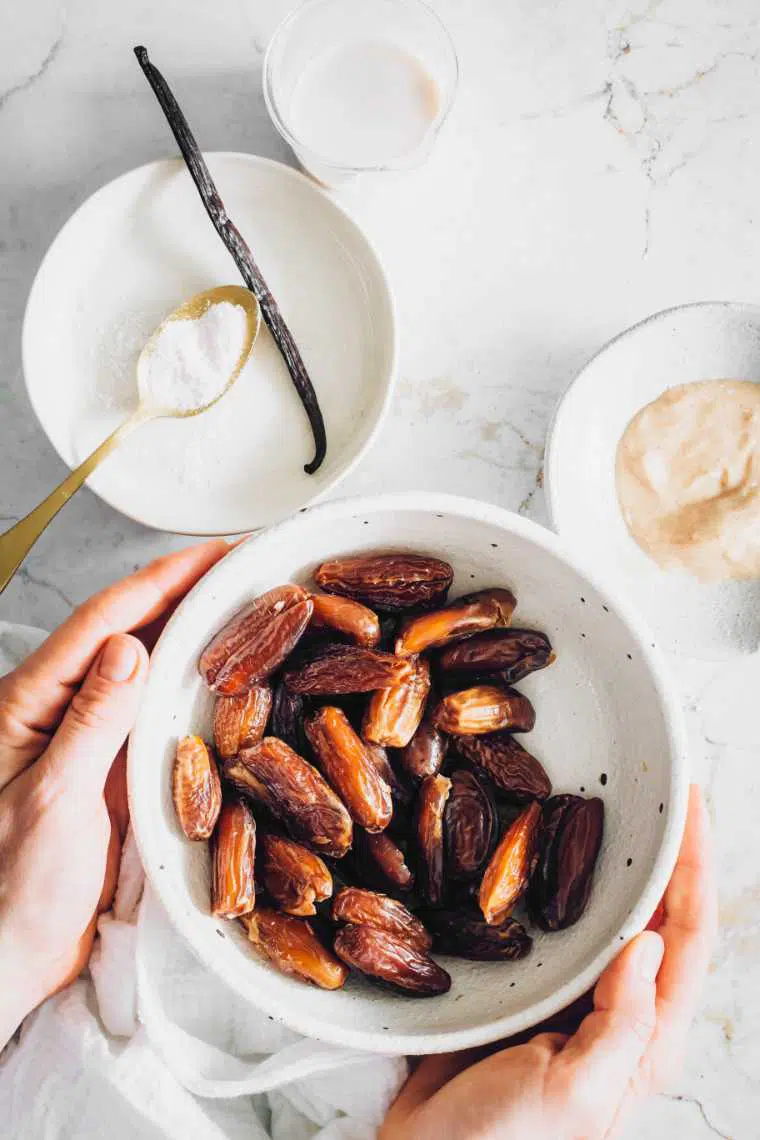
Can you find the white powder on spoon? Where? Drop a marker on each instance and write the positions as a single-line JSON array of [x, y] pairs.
[[191, 361]]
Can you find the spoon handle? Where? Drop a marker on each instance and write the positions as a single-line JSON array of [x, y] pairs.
[[16, 543]]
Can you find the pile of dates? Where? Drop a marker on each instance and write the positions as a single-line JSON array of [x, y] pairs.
[[365, 796]]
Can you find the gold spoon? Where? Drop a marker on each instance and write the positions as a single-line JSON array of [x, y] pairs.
[[16, 543]]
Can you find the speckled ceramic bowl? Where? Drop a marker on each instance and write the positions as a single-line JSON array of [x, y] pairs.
[[607, 724]]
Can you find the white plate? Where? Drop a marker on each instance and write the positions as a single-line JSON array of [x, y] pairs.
[[132, 253], [709, 341], [604, 707]]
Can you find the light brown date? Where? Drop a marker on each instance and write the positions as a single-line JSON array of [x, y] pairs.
[[295, 877], [256, 640], [369, 908], [392, 582], [393, 715], [484, 708], [379, 861], [508, 872], [518, 775], [470, 824], [233, 854], [295, 792], [348, 669], [431, 804], [509, 654], [355, 621], [343, 758], [293, 947], [196, 788], [477, 612], [240, 722], [387, 958], [425, 752]]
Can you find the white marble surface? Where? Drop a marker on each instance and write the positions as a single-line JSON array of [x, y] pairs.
[[600, 163]]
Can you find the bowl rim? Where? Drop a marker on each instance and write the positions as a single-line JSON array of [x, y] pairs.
[[675, 811], [388, 380]]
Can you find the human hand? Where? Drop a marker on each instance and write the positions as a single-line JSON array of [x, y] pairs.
[[584, 1086], [64, 716]]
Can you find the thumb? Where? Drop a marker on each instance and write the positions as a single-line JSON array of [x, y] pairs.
[[100, 715]]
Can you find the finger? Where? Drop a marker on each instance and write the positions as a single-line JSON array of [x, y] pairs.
[[115, 794], [34, 697], [430, 1075], [98, 719], [594, 1070]]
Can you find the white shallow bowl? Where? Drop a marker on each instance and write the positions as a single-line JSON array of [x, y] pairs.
[[706, 341], [603, 710], [135, 250]]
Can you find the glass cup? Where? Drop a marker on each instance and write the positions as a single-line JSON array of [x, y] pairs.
[[359, 85]]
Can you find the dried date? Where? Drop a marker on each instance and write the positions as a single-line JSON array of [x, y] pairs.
[[233, 851], [380, 862], [508, 872], [506, 654], [355, 621], [571, 838], [484, 709], [517, 774], [292, 946], [288, 711], [389, 959], [256, 640], [348, 669], [425, 752], [393, 715], [196, 788], [478, 612], [392, 582], [466, 934], [431, 804], [292, 875], [343, 759], [295, 792], [470, 825], [240, 722], [369, 908]]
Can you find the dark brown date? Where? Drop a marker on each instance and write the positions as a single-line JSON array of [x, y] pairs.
[[293, 947], [470, 825], [294, 792], [425, 752], [483, 709], [288, 711], [239, 722], [342, 757], [196, 788], [355, 621], [515, 772], [348, 669], [369, 908], [509, 654], [568, 850], [393, 715], [295, 877], [392, 582], [466, 934], [256, 640], [387, 958], [431, 804], [508, 872], [233, 851], [380, 862], [478, 612]]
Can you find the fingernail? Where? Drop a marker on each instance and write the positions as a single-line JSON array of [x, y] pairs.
[[650, 951], [119, 659]]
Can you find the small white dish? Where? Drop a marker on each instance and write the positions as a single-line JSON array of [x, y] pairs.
[[607, 724], [135, 250], [705, 341]]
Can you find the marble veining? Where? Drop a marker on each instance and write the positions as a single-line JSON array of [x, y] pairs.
[[599, 164]]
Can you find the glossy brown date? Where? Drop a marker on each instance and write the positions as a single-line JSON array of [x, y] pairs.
[[470, 825], [342, 757], [509, 654], [288, 711], [355, 621], [517, 774], [393, 715], [431, 804], [240, 722], [292, 875], [348, 669], [389, 959], [483, 709], [255, 641], [392, 582], [294, 792], [196, 788], [477, 612], [379, 861], [369, 908], [466, 934], [233, 851], [571, 838], [425, 752], [293, 947], [510, 867]]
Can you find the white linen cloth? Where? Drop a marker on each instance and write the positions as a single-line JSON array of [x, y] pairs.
[[150, 1046]]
